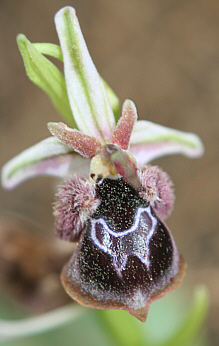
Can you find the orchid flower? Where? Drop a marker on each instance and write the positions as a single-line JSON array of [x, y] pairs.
[[126, 256]]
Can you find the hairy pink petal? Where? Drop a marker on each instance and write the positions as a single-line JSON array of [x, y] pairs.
[[122, 133], [157, 188], [85, 145], [75, 201]]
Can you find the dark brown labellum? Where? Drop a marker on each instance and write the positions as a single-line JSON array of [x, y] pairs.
[[126, 257]]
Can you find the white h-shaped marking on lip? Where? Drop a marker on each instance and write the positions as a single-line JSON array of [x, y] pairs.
[[120, 234]]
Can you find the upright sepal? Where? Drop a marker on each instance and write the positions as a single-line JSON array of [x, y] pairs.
[[150, 141], [47, 76], [87, 95]]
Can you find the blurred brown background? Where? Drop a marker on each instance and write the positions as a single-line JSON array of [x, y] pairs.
[[164, 55]]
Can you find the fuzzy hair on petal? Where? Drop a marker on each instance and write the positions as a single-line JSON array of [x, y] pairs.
[[75, 201], [157, 188]]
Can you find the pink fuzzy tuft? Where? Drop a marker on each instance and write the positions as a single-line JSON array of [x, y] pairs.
[[75, 201], [157, 188]]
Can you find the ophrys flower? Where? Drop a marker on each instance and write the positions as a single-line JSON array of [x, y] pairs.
[[126, 256]]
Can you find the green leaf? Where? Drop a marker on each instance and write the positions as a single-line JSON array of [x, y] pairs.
[[194, 320], [50, 49], [122, 327], [47, 76], [85, 329]]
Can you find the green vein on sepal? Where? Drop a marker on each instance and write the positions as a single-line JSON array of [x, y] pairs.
[[55, 51], [78, 66], [24, 165]]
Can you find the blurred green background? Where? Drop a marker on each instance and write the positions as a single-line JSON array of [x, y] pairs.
[[164, 55]]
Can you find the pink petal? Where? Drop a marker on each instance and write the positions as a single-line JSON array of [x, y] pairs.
[[157, 189], [75, 201], [122, 133], [85, 145]]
